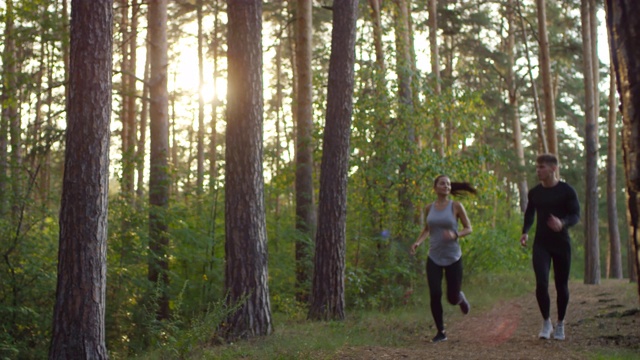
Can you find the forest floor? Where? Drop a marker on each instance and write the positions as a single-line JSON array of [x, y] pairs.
[[603, 321]]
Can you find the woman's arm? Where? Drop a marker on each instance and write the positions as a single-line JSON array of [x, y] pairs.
[[461, 214], [424, 233]]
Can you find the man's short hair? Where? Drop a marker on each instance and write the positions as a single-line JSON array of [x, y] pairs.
[[549, 159]]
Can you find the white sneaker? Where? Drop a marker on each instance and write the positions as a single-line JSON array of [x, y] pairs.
[[559, 333], [547, 328]]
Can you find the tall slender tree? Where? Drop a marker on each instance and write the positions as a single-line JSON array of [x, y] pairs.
[[542, 138], [404, 70], [201, 129], [592, 245], [514, 113], [327, 296], [435, 71], [614, 258], [78, 319], [8, 104], [159, 180], [545, 72], [246, 272], [305, 207]]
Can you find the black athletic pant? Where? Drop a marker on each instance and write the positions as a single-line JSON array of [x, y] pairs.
[[543, 256], [453, 276]]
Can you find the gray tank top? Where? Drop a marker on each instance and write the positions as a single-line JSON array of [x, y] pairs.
[[442, 252]]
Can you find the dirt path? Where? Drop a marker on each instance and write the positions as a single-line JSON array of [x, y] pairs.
[[600, 318]]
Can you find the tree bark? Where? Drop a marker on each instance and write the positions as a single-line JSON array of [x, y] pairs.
[[159, 172], [8, 87], [246, 274], [435, 73], [592, 245], [78, 319], [512, 90], [542, 138], [200, 154], [213, 152], [327, 298], [614, 263], [404, 70], [623, 28], [144, 116], [545, 70], [305, 207]]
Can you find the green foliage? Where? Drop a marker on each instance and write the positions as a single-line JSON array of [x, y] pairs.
[[185, 333]]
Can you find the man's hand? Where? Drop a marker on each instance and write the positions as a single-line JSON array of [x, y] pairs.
[[523, 239], [554, 223]]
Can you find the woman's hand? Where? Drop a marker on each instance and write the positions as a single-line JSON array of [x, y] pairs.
[[451, 235], [414, 246]]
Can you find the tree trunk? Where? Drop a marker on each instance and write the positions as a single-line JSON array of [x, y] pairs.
[[614, 263], [200, 154], [159, 167], [8, 71], [327, 298], [144, 116], [132, 94], [305, 207], [213, 170], [78, 319], [542, 138], [512, 90], [545, 69], [125, 80], [406, 108], [11, 170], [623, 27], [377, 33], [632, 217], [592, 245], [246, 275], [435, 72]]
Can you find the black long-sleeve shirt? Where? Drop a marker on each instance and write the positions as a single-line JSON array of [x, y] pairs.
[[561, 201]]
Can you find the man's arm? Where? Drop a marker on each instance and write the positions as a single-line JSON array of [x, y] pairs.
[[573, 209]]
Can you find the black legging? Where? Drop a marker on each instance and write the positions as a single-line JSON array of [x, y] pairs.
[[560, 254], [453, 276]]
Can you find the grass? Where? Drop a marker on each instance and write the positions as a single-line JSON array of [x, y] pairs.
[[296, 338], [621, 354]]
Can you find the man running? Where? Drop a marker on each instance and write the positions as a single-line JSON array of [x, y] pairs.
[[555, 205]]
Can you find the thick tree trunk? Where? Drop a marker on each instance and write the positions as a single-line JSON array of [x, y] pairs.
[[305, 207], [327, 298], [78, 319], [623, 27], [159, 171], [246, 274]]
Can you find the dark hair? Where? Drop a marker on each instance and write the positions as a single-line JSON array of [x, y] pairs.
[[549, 159], [457, 188]]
